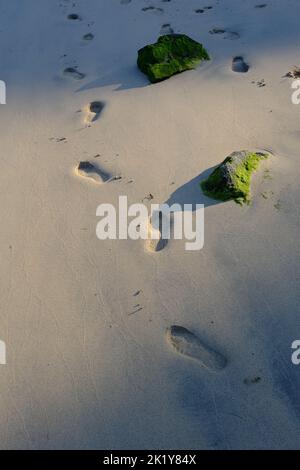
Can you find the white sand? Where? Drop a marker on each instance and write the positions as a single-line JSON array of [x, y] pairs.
[[82, 371]]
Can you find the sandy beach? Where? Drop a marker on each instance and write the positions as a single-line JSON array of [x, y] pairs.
[[92, 361]]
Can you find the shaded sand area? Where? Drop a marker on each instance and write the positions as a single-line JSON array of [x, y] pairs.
[[86, 322]]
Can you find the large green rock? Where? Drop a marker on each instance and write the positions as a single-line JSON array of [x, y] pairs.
[[232, 178], [171, 54]]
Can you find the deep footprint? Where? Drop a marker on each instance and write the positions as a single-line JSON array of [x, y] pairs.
[[93, 111], [239, 65], [74, 17], [188, 344], [88, 170]]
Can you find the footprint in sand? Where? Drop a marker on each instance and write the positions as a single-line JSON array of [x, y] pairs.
[[73, 73], [155, 241], [239, 65], [252, 380], [166, 29], [157, 10], [88, 37], [217, 31], [202, 10], [94, 173], [93, 111], [232, 35], [227, 34], [188, 344], [74, 17]]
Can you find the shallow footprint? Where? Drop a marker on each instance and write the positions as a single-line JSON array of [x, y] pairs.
[[239, 65], [93, 111], [217, 31], [88, 37], [188, 344], [155, 241], [166, 29], [227, 34], [73, 73], [88, 170], [232, 35], [156, 10]]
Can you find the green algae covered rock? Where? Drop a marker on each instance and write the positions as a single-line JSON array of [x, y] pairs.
[[232, 178], [171, 54]]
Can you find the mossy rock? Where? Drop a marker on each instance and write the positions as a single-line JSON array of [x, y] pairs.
[[232, 178], [171, 54]]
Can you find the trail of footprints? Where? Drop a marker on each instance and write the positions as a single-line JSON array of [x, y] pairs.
[[92, 112], [180, 339]]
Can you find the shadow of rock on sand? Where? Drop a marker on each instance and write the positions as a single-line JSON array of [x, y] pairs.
[[129, 76], [121, 78], [191, 192]]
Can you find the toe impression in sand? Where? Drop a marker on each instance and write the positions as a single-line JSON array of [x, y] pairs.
[[188, 344]]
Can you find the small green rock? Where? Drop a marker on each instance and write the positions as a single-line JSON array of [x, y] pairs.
[[171, 54], [232, 178]]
